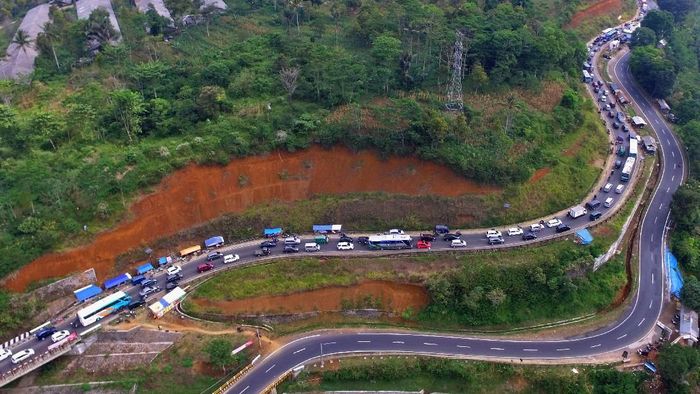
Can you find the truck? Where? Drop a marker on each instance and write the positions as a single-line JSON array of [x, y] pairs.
[[577, 212]]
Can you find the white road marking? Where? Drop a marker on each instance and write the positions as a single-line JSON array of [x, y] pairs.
[[661, 205], [529, 350], [673, 153], [300, 350], [668, 189], [652, 278], [398, 342], [464, 346], [672, 178], [651, 303], [598, 345], [243, 391], [268, 370], [652, 238], [621, 336], [655, 219], [364, 341], [642, 321], [564, 349], [668, 141], [496, 348], [429, 344], [329, 343]]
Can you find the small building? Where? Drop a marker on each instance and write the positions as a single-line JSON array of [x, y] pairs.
[[638, 121], [144, 268], [688, 328], [86, 292], [164, 260], [663, 106], [116, 281], [649, 144]]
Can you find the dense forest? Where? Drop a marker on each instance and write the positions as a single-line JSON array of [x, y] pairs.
[[100, 122]]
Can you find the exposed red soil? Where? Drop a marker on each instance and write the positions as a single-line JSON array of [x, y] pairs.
[[394, 296], [598, 8], [572, 150], [539, 174], [197, 194]]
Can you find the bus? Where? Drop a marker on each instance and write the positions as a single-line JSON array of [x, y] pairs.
[[627, 169], [389, 241], [103, 308], [633, 147]]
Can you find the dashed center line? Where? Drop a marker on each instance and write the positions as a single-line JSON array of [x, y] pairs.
[[364, 341], [642, 321], [598, 345], [672, 178], [243, 391], [268, 370], [661, 205], [652, 278], [651, 303], [564, 349], [496, 348], [621, 336], [673, 153], [300, 350], [464, 346], [398, 342], [655, 219], [429, 344], [529, 350]]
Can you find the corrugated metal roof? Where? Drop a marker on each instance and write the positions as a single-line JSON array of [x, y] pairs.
[[86, 292]]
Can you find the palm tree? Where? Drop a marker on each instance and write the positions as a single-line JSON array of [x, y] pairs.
[[22, 40], [51, 35]]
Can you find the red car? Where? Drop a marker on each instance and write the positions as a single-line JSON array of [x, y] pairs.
[[423, 245], [205, 267]]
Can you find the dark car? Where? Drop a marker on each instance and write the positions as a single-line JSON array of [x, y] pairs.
[[290, 249], [147, 291], [425, 237], [496, 240], [611, 114], [135, 304], [214, 256], [618, 163], [171, 285], [441, 229], [268, 244], [363, 240], [616, 125], [593, 204], [174, 277], [45, 333], [625, 128], [595, 215], [345, 238], [149, 282], [529, 236], [563, 227], [205, 267], [262, 252], [451, 237]]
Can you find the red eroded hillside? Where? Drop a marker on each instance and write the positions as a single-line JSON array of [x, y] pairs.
[[596, 9], [197, 194]]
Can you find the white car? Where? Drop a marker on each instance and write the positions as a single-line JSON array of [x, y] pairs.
[[230, 258], [607, 187], [292, 241], [21, 356], [553, 222], [396, 231], [515, 231], [174, 269], [345, 246], [536, 227], [5, 353], [493, 234], [60, 335], [458, 243], [619, 189]]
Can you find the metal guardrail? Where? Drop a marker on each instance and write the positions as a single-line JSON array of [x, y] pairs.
[[233, 380], [37, 361]]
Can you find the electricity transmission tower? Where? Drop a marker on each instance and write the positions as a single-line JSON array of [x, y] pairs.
[[455, 101]]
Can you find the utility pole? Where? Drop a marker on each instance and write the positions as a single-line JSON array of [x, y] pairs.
[[455, 100]]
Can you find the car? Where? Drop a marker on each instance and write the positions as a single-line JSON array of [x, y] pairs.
[[231, 258], [290, 249], [620, 117], [602, 99], [45, 333], [619, 139], [214, 256], [312, 247], [423, 244], [22, 355], [205, 267], [396, 231], [60, 335], [515, 231], [363, 240], [607, 187], [174, 278], [608, 202], [458, 243], [593, 204], [345, 238], [595, 215], [493, 233], [171, 285], [496, 240], [451, 236], [618, 163], [563, 227], [607, 107], [529, 236], [173, 269], [427, 237], [616, 125], [268, 244], [262, 252], [611, 114], [553, 222], [441, 229], [147, 291], [345, 246], [292, 240], [135, 304], [149, 283], [619, 189], [536, 227], [5, 353]]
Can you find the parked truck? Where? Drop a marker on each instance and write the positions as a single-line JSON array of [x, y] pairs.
[[577, 212]]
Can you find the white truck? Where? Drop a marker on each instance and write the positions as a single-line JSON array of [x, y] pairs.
[[577, 212]]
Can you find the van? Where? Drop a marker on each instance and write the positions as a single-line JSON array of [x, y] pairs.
[[22, 355], [593, 204], [595, 215], [292, 241], [312, 247], [608, 202], [619, 189], [608, 187]]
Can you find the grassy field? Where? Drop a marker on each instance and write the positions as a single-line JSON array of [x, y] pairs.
[[452, 376]]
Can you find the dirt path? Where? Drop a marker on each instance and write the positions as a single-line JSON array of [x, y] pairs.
[[172, 327], [598, 8], [197, 194]]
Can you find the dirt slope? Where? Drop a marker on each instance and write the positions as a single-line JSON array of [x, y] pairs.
[[597, 8]]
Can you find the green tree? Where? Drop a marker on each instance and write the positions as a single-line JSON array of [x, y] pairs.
[[653, 71], [679, 8], [675, 364], [386, 50], [47, 127], [690, 294], [610, 381], [661, 22], [127, 108], [22, 40], [99, 27], [219, 351], [150, 74], [497, 296], [50, 35], [643, 36]]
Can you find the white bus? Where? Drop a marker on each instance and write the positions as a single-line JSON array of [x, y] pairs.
[[103, 308], [389, 241], [634, 146], [627, 169]]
